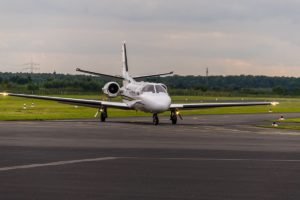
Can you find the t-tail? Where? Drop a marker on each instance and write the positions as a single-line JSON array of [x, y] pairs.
[[125, 73]]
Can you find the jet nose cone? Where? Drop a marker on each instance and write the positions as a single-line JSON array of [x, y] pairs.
[[156, 103], [161, 104]]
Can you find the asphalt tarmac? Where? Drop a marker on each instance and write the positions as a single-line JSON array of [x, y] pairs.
[[203, 157]]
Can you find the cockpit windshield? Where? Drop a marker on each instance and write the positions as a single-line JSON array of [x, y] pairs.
[[149, 88], [154, 88], [160, 89]]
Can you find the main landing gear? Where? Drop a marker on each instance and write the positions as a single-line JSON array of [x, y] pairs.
[[103, 114], [155, 119], [174, 116]]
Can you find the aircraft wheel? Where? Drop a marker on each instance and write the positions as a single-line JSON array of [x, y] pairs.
[[103, 114], [155, 119], [173, 118], [103, 117]]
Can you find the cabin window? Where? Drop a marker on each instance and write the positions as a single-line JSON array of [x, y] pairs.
[[160, 89], [149, 88]]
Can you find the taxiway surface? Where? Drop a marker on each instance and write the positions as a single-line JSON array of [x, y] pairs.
[[203, 157]]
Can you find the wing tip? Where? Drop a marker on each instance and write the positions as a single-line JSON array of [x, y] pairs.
[[4, 93], [274, 103]]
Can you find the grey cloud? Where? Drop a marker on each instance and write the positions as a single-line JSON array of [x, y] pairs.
[[249, 35], [157, 9]]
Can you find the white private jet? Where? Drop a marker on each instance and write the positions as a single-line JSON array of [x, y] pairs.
[[143, 96]]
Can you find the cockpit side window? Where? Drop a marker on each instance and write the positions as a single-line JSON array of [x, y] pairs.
[[160, 89], [164, 86], [149, 88]]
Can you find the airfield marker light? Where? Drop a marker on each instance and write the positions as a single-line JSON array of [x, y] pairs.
[[281, 118], [270, 110]]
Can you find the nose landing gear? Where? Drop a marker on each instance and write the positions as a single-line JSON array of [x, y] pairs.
[[155, 119]]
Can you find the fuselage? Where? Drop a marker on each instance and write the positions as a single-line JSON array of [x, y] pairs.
[[145, 96]]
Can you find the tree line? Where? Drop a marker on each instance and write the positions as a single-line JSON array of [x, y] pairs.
[[177, 85]]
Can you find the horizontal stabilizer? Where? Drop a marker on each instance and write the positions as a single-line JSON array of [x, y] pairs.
[[98, 74], [121, 78], [153, 75]]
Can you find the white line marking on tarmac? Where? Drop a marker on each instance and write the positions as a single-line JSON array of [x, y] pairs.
[[217, 159], [233, 159], [58, 163]]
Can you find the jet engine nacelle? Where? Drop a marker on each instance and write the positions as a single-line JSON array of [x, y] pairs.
[[111, 89]]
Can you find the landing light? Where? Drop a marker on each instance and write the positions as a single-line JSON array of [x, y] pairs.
[[4, 94], [274, 103], [177, 112]]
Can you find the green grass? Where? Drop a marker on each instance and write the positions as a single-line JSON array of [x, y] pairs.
[[289, 127], [11, 108], [284, 126], [293, 120], [291, 124]]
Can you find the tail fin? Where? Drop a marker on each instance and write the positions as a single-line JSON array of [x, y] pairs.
[[125, 63]]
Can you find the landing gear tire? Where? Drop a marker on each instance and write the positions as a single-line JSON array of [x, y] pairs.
[[173, 117], [103, 115], [155, 119]]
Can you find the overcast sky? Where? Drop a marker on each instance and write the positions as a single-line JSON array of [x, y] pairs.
[[230, 37]]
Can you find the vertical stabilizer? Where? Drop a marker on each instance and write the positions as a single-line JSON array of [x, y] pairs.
[[125, 62]]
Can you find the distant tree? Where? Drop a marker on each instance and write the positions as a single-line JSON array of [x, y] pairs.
[[278, 90], [195, 85], [32, 87]]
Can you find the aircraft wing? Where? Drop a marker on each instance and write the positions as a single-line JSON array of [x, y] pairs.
[[79, 102], [215, 105]]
